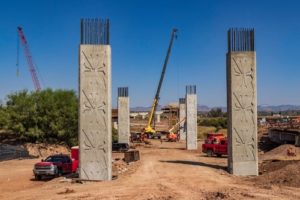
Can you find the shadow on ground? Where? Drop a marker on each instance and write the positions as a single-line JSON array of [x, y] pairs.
[[179, 148], [186, 162]]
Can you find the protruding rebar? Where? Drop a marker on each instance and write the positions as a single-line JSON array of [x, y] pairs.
[[94, 31], [240, 39], [123, 92], [182, 100], [191, 89]]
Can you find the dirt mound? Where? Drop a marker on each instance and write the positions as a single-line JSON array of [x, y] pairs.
[[277, 172], [43, 150], [283, 152], [120, 167]]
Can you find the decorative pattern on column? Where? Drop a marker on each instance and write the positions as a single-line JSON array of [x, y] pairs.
[[241, 102], [94, 101]]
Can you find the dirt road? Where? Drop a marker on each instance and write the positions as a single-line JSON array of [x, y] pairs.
[[165, 171]]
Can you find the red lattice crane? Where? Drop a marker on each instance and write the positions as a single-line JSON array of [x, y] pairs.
[[30, 62]]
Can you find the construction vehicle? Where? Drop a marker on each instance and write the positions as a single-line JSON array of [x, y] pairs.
[[136, 137], [149, 131], [32, 67], [173, 135], [215, 144]]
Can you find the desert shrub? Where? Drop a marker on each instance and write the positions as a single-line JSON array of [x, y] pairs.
[[217, 122], [44, 116]]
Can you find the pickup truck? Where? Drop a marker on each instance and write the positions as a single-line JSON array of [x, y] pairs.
[[55, 165], [215, 144]]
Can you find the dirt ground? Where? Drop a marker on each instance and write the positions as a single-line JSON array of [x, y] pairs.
[[165, 171]]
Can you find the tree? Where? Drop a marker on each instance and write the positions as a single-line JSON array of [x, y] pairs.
[[215, 112], [44, 116]]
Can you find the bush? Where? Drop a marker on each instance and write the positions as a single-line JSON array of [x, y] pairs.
[[45, 116], [114, 135], [218, 123]]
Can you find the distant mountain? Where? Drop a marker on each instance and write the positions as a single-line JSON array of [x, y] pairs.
[[204, 108], [279, 108], [143, 109]]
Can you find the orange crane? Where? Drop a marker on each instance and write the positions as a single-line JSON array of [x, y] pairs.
[[172, 135]]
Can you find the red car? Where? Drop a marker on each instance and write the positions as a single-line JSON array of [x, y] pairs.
[[215, 144], [55, 165]]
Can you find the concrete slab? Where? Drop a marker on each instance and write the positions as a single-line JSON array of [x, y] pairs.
[[95, 112]]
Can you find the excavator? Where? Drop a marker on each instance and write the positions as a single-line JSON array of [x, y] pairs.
[[149, 131]]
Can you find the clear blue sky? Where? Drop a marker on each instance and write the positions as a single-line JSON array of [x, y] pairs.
[[140, 32]]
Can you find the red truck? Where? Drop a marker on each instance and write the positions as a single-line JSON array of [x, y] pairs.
[[215, 144], [57, 165]]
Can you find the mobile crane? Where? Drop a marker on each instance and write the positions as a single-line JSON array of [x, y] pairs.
[[149, 130], [32, 67]]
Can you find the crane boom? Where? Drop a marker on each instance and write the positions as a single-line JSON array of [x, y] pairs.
[[149, 128], [30, 62], [175, 126]]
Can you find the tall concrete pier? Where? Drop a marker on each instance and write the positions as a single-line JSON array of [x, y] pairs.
[[242, 103], [182, 115], [191, 117], [95, 101], [123, 115]]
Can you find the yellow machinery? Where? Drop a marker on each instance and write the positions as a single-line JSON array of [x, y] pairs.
[[149, 130]]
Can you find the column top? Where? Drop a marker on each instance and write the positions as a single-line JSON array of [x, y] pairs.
[[191, 89], [181, 100], [240, 39], [94, 31], [123, 92]]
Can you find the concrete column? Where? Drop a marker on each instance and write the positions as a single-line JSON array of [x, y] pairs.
[[143, 115], [133, 115], [158, 118], [191, 117], [242, 103], [158, 115], [95, 161], [123, 115], [182, 115]]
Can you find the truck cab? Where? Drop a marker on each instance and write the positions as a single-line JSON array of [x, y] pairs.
[[215, 144], [54, 165]]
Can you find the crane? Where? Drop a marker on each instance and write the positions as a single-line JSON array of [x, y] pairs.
[[172, 135], [31, 66], [148, 129]]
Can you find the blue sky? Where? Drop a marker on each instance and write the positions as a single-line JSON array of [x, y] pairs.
[[140, 32]]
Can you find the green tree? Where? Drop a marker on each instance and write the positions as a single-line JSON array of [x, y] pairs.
[[215, 112], [45, 116]]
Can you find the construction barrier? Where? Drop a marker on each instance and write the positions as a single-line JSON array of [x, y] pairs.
[[131, 156]]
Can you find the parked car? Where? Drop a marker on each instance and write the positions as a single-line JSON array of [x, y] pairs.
[[120, 147], [55, 165]]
